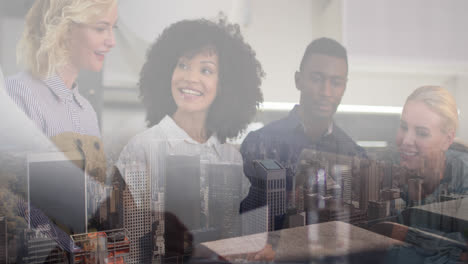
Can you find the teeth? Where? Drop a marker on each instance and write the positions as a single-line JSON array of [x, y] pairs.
[[100, 53], [192, 92]]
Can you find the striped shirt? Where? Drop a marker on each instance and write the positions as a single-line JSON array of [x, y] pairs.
[[52, 106]]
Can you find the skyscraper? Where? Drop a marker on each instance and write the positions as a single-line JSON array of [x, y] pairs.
[[364, 184], [41, 248], [137, 212], [344, 176], [224, 189], [269, 189], [372, 173], [182, 190], [157, 228], [182, 204]]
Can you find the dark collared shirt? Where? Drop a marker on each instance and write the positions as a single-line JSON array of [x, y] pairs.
[[52, 106], [283, 140]]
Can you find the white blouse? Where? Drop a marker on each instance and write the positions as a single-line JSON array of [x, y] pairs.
[[147, 153]]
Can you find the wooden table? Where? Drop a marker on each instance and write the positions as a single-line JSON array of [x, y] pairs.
[[319, 241]]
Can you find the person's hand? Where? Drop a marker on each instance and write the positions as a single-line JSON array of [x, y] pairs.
[[265, 254]]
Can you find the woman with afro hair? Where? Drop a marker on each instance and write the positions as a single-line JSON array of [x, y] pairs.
[[200, 85]]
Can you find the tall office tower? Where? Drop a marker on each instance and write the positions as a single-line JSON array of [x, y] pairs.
[[104, 207], [182, 203], [291, 201], [40, 248], [3, 240], [182, 192], [344, 177], [224, 189], [371, 177], [256, 220], [415, 191], [96, 195], [305, 177], [299, 199], [375, 180], [364, 184], [137, 212], [387, 174], [340, 172], [114, 200], [269, 189], [112, 204], [157, 228], [338, 168]]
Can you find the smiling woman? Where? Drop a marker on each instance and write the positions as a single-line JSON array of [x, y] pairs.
[[200, 85], [427, 130], [61, 38], [200, 54]]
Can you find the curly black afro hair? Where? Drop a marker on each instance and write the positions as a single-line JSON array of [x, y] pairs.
[[239, 80]]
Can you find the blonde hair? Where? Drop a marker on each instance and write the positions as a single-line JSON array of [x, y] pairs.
[[44, 46], [440, 101]]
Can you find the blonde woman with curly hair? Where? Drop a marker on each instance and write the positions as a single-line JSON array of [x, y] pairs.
[[61, 38]]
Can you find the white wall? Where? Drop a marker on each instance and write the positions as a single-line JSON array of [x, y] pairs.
[[331, 20], [11, 29], [279, 33], [388, 81], [461, 95], [431, 30], [397, 46], [278, 30]]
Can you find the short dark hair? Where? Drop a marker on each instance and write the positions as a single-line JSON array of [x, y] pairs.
[[325, 46], [240, 74]]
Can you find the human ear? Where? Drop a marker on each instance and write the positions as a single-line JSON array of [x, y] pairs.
[[297, 80], [449, 136]]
